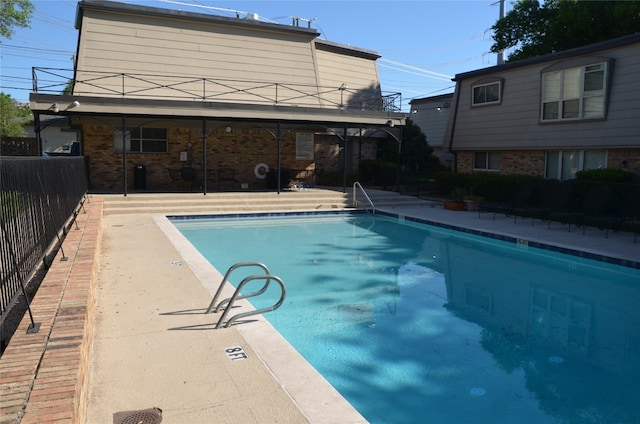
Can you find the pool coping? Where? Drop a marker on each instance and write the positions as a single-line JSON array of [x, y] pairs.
[[316, 398], [492, 235]]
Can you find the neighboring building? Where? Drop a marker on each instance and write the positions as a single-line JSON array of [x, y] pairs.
[[431, 114], [189, 90], [551, 115], [56, 134]]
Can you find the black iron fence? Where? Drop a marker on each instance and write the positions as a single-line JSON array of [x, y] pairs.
[[39, 199]]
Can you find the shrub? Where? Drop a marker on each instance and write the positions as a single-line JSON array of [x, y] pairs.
[[611, 175], [490, 186]]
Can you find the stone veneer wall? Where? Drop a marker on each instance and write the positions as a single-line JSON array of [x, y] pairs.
[[240, 149]]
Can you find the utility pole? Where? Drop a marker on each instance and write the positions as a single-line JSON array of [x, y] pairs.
[[502, 15]]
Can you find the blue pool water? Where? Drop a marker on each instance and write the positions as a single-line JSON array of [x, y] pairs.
[[413, 323]]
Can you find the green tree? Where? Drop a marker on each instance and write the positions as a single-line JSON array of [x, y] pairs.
[[14, 13], [533, 29], [415, 152], [13, 116]]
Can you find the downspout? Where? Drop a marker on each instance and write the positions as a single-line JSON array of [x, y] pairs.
[[453, 126]]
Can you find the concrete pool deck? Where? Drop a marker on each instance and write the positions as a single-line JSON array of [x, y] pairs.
[[154, 346]]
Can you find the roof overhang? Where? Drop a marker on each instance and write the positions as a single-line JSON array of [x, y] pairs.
[[77, 106]]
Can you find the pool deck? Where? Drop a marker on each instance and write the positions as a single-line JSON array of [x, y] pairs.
[[152, 345]]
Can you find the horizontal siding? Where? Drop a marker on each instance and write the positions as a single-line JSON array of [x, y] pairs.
[[142, 45], [514, 124], [359, 74]]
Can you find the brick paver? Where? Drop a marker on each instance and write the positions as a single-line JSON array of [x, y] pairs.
[[44, 376]]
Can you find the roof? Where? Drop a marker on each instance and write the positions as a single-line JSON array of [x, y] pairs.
[[578, 51], [119, 7], [437, 98]]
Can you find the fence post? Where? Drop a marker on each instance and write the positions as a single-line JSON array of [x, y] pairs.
[[33, 327]]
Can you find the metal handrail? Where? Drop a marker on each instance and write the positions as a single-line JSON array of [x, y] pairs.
[[185, 87], [236, 296], [355, 200], [216, 308]]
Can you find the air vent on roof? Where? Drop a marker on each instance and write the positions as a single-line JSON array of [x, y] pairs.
[[253, 16]]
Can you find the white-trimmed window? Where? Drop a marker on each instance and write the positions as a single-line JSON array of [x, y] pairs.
[[563, 164], [487, 161], [574, 93], [141, 140], [486, 94]]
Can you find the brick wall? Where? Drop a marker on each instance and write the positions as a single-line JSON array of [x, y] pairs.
[[44, 376], [240, 149], [532, 162]]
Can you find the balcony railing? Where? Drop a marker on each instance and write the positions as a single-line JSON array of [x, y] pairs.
[[174, 87]]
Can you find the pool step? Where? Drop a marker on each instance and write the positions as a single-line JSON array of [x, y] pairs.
[[215, 203], [247, 202]]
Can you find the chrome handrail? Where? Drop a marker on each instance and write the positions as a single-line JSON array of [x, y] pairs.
[[215, 308], [355, 200]]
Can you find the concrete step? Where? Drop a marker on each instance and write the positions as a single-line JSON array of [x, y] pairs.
[[246, 202], [225, 202]]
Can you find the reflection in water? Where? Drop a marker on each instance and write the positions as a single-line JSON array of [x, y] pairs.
[[413, 323], [571, 325]]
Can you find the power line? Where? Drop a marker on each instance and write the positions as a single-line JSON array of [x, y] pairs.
[[35, 49]]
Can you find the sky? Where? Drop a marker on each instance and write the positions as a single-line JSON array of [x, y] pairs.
[[423, 43]]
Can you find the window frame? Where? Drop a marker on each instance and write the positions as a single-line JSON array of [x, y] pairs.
[[566, 103], [485, 84], [580, 162], [134, 136], [487, 160]]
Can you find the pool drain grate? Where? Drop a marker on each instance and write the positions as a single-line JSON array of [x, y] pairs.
[[141, 416]]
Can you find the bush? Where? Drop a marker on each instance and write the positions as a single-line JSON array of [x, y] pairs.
[[377, 172], [610, 175], [493, 187]]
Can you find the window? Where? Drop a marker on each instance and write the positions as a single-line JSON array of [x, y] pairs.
[[560, 319], [489, 161], [142, 140], [563, 164], [574, 93], [486, 94]]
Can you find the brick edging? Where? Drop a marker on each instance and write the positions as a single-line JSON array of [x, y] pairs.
[[44, 376]]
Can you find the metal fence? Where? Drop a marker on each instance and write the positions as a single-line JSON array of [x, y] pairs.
[[181, 87], [39, 198]]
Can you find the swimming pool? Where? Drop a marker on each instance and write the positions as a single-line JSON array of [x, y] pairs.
[[416, 323]]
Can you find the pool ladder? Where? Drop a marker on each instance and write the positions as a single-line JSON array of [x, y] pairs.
[[227, 303]]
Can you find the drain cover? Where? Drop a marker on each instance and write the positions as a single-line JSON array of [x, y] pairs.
[[142, 416]]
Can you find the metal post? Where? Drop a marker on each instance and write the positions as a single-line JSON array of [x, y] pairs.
[[344, 154], [399, 162], [124, 153], [279, 136], [204, 156], [33, 327]]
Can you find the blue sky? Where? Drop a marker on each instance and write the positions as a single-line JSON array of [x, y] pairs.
[[423, 43]]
